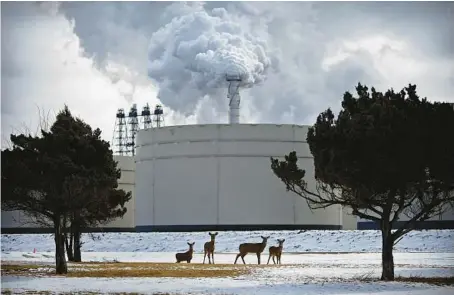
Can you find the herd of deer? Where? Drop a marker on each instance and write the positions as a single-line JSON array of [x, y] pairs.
[[245, 248]]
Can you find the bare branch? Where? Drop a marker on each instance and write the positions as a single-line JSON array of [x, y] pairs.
[[425, 210], [38, 219], [398, 240], [44, 123], [355, 211], [403, 204]]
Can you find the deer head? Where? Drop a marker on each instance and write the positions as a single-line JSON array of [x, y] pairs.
[[213, 236], [281, 242], [264, 239]]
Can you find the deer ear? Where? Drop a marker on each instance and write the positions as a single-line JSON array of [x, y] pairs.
[[216, 234], [189, 243], [283, 240], [262, 237]]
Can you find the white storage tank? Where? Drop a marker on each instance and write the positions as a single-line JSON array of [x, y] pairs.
[[206, 177]]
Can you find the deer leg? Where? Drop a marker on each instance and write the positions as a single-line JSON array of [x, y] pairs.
[[279, 259], [269, 259], [274, 262], [237, 258], [209, 257], [204, 255], [242, 257], [258, 258], [212, 256]]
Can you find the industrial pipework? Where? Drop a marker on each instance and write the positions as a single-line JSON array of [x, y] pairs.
[[233, 95]]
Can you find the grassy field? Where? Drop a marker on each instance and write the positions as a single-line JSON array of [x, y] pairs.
[[170, 270], [134, 269]]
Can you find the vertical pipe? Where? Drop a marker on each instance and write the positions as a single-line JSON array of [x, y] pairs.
[[234, 101]]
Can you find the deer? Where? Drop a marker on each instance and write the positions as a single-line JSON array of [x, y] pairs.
[[256, 248], [276, 251], [208, 248], [185, 256]]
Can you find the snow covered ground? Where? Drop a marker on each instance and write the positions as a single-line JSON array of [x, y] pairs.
[[300, 274], [243, 285], [420, 253], [439, 241], [217, 286]]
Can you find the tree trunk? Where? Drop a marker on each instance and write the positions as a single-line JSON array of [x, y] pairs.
[[60, 260], [77, 245], [387, 253], [68, 243], [69, 237]]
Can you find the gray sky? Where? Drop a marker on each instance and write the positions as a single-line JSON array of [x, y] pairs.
[[94, 56]]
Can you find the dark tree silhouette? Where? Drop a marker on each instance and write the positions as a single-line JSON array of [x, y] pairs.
[[385, 156], [66, 173], [93, 194]]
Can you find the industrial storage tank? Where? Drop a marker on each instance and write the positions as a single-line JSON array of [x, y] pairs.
[[207, 177]]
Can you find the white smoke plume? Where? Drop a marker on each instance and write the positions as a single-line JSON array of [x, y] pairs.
[[190, 56], [299, 57]]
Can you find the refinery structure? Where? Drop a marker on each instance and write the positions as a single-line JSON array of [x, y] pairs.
[[127, 125], [211, 177]]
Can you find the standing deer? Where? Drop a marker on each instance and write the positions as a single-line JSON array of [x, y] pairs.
[[208, 248], [185, 256], [256, 248], [276, 252]]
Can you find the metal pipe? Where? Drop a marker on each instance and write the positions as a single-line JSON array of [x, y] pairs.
[[233, 95]]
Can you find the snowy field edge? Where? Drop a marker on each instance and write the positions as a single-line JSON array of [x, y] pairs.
[[426, 253], [432, 241]]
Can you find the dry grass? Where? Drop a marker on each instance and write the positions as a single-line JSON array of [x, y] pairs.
[[20, 267], [174, 270], [131, 269], [441, 281]]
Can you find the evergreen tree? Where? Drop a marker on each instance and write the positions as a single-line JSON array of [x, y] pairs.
[[66, 174], [384, 156]]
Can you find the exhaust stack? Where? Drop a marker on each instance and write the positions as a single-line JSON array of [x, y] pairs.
[[233, 95]]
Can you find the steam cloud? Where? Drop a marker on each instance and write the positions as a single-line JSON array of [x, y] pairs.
[[191, 56], [95, 54]]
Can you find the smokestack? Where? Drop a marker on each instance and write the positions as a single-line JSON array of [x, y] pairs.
[[233, 95]]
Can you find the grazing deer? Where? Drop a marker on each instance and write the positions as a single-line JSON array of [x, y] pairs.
[[256, 248], [185, 256], [208, 248], [276, 252]]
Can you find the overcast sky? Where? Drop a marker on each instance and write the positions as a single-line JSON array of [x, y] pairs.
[[99, 56]]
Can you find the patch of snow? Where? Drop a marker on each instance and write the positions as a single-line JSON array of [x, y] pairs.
[[215, 286], [31, 255], [441, 241]]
